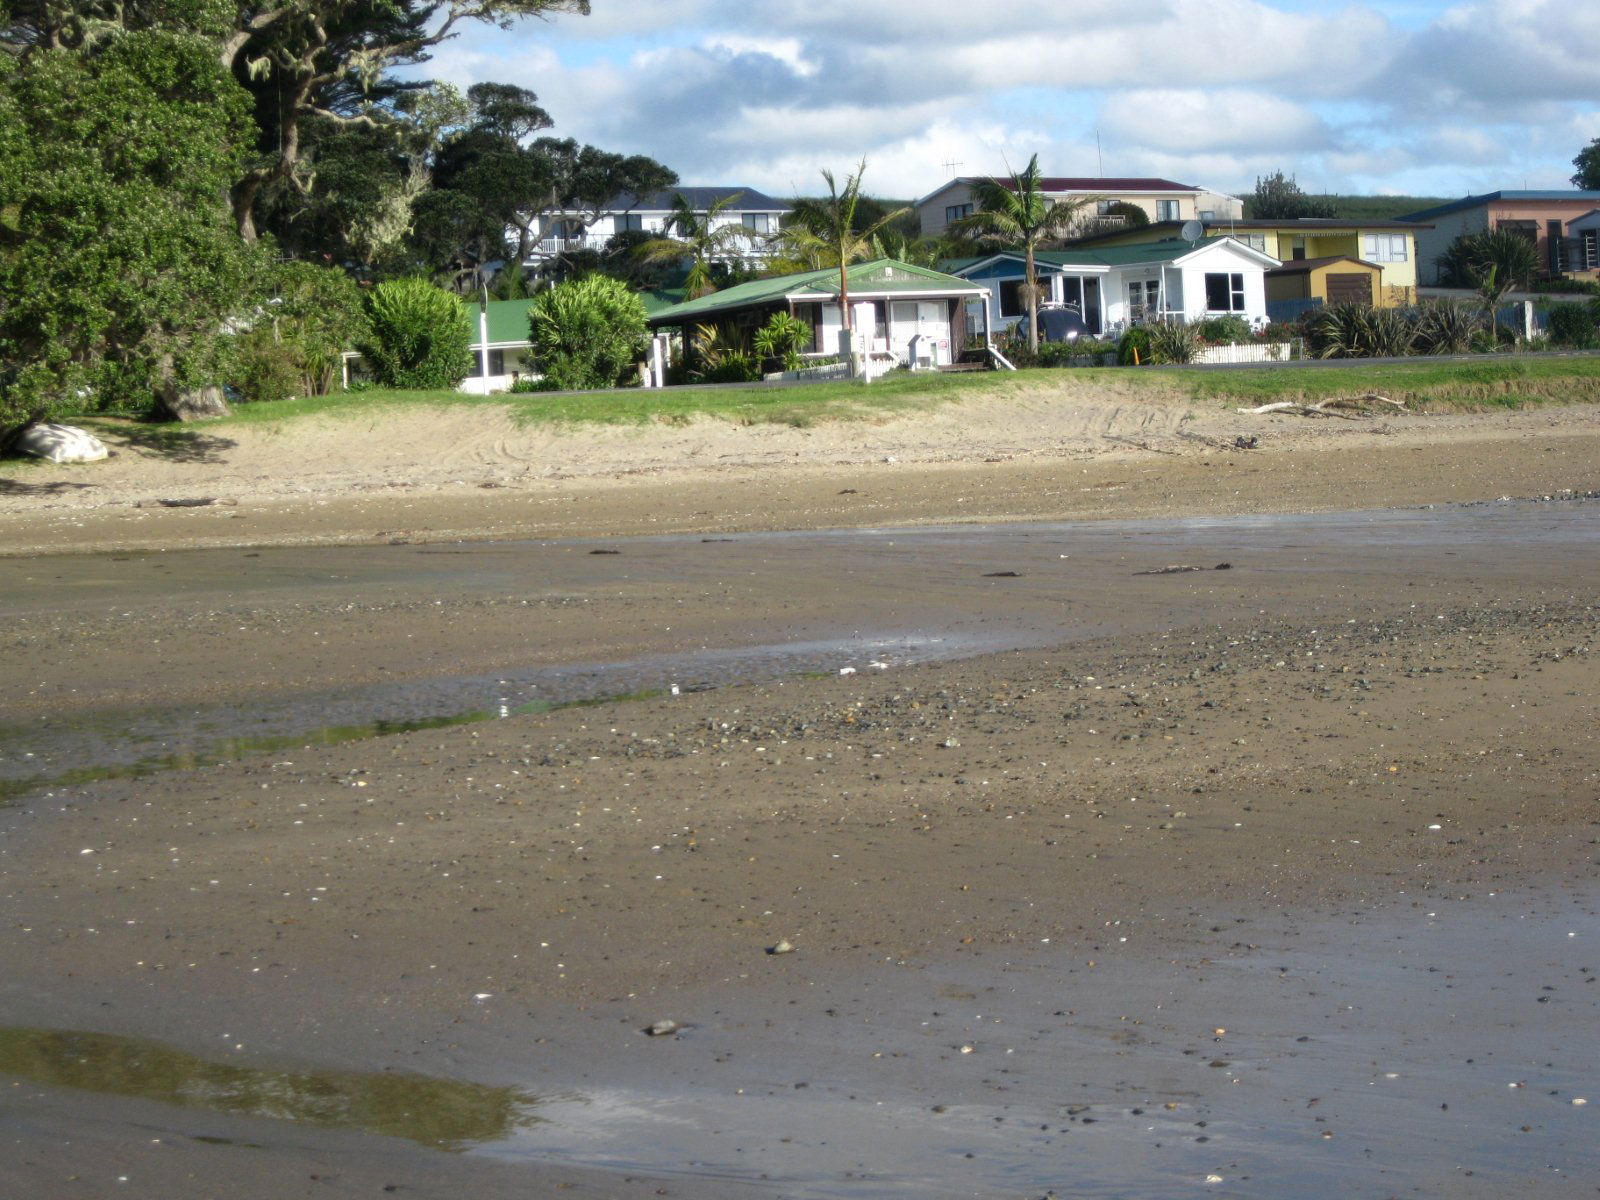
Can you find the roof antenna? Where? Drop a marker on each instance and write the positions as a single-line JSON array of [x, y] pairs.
[[1100, 163], [950, 165]]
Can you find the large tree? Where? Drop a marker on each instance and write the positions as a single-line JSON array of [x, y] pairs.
[[702, 241], [1588, 164], [300, 58], [1277, 197], [827, 230], [119, 264], [1016, 213]]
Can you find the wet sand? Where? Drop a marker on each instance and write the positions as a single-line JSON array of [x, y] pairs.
[[1076, 861]]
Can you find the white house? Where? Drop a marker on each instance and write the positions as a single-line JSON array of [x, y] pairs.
[[754, 211], [1161, 200], [1115, 287]]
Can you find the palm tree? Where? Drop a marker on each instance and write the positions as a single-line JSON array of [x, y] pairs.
[[1017, 213], [825, 231], [700, 239]]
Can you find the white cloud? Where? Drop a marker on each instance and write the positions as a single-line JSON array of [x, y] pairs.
[[766, 92], [1193, 121]]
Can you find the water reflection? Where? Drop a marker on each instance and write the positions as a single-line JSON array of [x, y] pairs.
[[442, 1114]]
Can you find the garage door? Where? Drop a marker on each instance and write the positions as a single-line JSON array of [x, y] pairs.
[[1349, 289]]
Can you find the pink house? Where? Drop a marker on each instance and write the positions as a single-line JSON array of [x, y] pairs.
[[1560, 224]]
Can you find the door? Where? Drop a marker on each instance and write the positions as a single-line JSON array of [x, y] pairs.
[[1349, 288]]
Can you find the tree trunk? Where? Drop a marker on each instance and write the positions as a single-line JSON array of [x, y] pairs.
[[1033, 305]]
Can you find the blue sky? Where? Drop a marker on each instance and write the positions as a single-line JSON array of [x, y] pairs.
[[1412, 96]]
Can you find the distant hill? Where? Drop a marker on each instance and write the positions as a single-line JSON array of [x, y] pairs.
[[1373, 208]]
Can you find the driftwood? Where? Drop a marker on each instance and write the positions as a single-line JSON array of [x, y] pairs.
[[1361, 407]]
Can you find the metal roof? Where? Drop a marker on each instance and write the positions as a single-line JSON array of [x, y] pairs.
[[881, 277], [1501, 197], [1223, 226], [1302, 266], [1106, 257], [699, 199]]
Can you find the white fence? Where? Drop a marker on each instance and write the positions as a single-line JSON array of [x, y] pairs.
[[1265, 352]]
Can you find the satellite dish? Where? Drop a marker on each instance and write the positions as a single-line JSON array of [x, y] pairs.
[[1192, 232]]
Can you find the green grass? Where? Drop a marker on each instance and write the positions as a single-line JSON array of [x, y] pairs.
[[799, 405], [1426, 385]]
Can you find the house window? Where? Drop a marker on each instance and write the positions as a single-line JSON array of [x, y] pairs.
[[954, 212], [1011, 304], [629, 223], [757, 222], [1144, 301], [1224, 292], [1166, 210], [1384, 247], [1208, 215], [497, 362], [1256, 241], [1103, 208]]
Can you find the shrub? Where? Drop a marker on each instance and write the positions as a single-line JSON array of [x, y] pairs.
[[318, 312], [1445, 328], [1225, 330], [734, 367], [1504, 255], [419, 337], [780, 339], [587, 333], [1572, 325], [1134, 346], [1174, 342], [267, 368], [1361, 331]]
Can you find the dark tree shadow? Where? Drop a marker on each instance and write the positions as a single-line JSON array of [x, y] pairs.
[[15, 487], [172, 445]]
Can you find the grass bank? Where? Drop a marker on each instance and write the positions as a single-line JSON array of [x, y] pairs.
[[1425, 385]]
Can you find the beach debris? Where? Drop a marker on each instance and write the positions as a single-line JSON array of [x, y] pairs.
[[663, 1028], [1351, 408], [1184, 569], [60, 444], [1002, 575], [188, 502], [950, 743], [784, 946], [605, 552], [1243, 442], [847, 670]]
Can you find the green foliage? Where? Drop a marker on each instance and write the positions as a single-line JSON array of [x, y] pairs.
[[1133, 348], [1445, 328], [1230, 329], [1173, 342], [1019, 214], [265, 368], [781, 338], [1574, 325], [1278, 197], [830, 235], [419, 336], [317, 313], [1588, 164], [701, 242], [1361, 331], [587, 333], [1503, 258], [119, 265]]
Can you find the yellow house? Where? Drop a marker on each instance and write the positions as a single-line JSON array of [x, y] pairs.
[[1336, 280], [1390, 246]]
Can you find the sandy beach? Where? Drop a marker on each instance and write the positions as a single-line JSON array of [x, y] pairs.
[[1103, 897]]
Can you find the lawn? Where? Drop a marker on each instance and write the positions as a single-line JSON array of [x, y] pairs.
[[1426, 385]]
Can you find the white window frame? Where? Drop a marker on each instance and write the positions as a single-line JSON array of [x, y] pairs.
[[954, 212], [1168, 210], [756, 222], [1384, 247]]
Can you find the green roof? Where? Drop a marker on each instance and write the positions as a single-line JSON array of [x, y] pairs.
[[508, 321], [1134, 253], [881, 277]]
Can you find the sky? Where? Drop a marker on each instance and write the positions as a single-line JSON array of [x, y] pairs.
[[1417, 97]]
